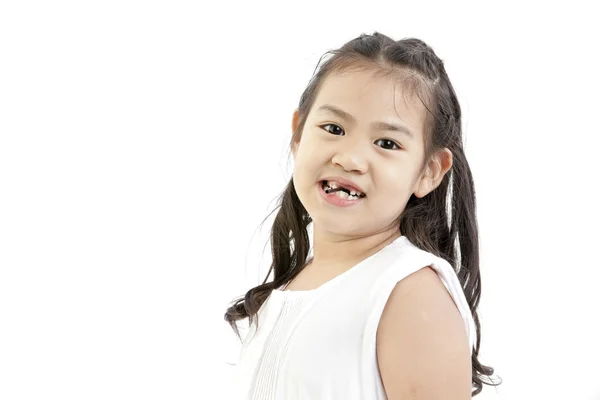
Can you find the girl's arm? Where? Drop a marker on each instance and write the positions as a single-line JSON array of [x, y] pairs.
[[422, 346]]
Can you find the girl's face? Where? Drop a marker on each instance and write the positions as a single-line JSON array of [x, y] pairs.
[[349, 133]]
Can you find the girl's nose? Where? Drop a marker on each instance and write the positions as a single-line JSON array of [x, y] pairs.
[[350, 161]]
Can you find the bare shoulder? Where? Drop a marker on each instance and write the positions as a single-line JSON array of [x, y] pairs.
[[422, 346]]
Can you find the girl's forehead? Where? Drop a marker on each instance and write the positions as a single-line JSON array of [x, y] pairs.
[[368, 85], [365, 96]]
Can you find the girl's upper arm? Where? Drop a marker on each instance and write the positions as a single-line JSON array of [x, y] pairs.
[[422, 346]]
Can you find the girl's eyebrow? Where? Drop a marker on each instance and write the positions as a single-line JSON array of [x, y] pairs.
[[379, 125]]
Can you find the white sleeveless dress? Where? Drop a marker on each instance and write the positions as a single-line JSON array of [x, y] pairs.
[[321, 343]]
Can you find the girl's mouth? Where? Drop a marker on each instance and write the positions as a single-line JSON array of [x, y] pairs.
[[339, 196], [342, 192]]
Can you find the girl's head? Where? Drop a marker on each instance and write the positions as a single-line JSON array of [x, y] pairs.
[[383, 114], [374, 79], [365, 122]]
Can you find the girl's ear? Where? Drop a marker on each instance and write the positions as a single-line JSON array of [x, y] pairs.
[[295, 121], [434, 172]]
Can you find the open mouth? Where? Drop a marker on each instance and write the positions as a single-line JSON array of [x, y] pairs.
[[341, 191]]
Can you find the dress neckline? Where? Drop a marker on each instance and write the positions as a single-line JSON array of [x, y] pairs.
[[282, 293]]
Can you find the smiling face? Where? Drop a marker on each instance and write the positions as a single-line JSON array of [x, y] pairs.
[[362, 128]]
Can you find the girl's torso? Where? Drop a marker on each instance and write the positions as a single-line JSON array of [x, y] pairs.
[[321, 343]]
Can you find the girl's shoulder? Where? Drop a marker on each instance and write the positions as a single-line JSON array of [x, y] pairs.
[[408, 337]]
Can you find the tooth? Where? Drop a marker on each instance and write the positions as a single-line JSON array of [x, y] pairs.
[[334, 185], [346, 196]]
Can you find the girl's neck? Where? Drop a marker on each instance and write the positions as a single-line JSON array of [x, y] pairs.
[[332, 249]]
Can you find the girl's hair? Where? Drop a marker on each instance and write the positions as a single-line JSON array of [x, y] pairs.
[[429, 222]]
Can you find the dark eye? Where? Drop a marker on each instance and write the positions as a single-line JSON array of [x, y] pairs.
[[388, 142], [339, 129]]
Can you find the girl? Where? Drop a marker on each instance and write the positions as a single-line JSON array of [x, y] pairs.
[[385, 304]]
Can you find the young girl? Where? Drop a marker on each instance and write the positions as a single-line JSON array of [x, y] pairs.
[[385, 304]]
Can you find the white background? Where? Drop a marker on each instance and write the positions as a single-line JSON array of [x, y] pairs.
[[142, 144]]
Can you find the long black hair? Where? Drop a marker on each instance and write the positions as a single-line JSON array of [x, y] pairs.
[[443, 222]]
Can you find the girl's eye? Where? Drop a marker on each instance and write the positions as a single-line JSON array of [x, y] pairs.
[[388, 144], [340, 129]]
